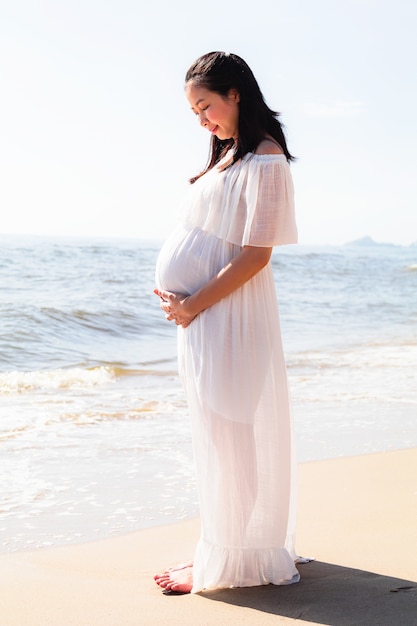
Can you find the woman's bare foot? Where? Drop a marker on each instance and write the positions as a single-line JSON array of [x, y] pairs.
[[174, 568], [178, 578]]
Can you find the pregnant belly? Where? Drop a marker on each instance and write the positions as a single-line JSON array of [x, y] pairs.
[[189, 258]]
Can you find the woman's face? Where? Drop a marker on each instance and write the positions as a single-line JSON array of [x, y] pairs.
[[219, 114]]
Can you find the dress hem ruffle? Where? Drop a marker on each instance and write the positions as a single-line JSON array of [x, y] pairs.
[[219, 567]]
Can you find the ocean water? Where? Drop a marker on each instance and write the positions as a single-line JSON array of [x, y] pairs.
[[94, 427]]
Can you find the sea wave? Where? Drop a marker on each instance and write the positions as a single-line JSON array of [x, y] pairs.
[[116, 321], [75, 377], [18, 382], [375, 355]]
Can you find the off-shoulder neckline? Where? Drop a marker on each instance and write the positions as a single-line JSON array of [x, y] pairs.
[[267, 157], [224, 165]]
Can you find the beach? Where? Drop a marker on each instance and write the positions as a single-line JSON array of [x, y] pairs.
[[357, 516]]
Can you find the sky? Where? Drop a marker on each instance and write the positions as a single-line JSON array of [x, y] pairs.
[[97, 138]]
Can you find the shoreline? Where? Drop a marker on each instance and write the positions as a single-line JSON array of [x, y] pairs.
[[161, 522], [357, 516]]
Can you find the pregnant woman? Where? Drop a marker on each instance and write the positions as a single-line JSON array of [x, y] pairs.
[[214, 278]]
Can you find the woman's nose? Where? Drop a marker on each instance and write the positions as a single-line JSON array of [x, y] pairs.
[[202, 119]]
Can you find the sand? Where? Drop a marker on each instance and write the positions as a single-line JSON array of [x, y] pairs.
[[357, 516]]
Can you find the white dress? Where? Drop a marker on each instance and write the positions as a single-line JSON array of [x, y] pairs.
[[232, 366]]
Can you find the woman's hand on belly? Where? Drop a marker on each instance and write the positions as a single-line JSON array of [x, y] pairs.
[[174, 306]]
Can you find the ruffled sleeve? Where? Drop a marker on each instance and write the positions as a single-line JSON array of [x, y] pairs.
[[249, 203], [270, 214]]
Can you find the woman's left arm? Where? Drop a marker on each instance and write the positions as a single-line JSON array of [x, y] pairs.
[[183, 309]]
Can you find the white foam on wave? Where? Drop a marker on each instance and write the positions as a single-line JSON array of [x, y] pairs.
[[368, 373], [20, 382], [373, 354]]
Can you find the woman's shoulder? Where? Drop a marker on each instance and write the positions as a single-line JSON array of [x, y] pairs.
[[268, 146]]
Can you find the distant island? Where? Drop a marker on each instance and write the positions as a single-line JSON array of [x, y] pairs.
[[367, 241]]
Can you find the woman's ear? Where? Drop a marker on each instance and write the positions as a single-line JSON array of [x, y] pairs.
[[233, 94]]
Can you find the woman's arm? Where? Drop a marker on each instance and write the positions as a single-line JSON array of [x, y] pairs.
[[183, 309]]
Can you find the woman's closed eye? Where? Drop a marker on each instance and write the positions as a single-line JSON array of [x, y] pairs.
[[197, 113]]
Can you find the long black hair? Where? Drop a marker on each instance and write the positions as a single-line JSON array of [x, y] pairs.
[[220, 72]]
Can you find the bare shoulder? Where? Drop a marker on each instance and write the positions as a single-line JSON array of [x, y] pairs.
[[268, 146]]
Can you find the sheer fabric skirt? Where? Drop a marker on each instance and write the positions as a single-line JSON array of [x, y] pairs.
[[232, 366]]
